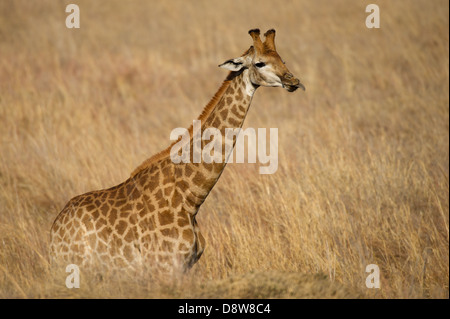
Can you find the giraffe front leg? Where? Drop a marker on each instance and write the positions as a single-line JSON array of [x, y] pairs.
[[200, 243], [191, 246]]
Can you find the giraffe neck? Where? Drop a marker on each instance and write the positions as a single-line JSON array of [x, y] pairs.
[[228, 113]]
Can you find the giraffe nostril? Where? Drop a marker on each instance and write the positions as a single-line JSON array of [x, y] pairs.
[[288, 76]]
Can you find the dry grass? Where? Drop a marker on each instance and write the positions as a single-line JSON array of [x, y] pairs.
[[364, 152]]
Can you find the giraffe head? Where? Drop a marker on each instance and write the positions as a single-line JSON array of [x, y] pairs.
[[266, 68]]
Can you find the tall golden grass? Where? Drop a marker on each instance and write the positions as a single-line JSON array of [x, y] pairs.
[[363, 153]]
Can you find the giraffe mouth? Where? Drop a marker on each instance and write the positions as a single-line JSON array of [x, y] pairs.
[[292, 85]]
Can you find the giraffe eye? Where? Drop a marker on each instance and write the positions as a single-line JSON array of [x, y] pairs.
[[260, 64]]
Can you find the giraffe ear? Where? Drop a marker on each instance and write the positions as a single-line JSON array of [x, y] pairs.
[[233, 64]]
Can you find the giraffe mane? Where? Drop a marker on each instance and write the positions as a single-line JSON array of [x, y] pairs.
[[205, 113]]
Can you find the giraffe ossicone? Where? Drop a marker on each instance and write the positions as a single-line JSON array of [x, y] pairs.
[[149, 220]]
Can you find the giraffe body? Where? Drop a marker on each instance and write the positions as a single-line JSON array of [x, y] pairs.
[[150, 219]]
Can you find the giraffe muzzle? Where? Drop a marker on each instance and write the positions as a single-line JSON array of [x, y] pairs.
[[291, 83]]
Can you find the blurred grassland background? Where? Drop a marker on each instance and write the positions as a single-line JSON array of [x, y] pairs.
[[363, 153]]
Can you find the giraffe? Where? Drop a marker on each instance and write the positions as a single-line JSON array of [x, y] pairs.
[[150, 219]]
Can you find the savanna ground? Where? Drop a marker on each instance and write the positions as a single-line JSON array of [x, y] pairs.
[[363, 153]]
